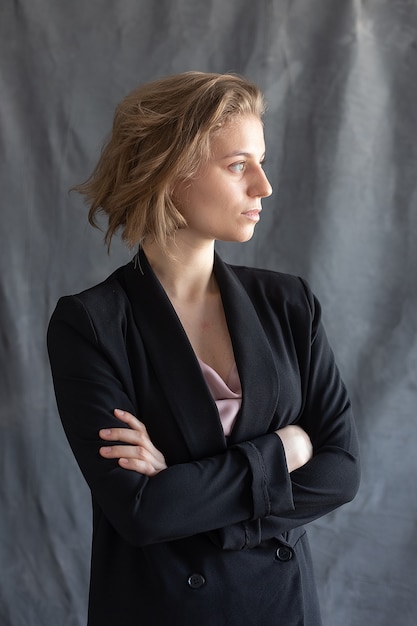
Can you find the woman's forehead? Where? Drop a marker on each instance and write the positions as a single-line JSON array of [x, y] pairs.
[[241, 136]]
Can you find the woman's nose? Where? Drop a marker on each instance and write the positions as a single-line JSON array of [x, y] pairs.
[[260, 187]]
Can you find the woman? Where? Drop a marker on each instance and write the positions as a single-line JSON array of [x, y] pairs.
[[202, 401]]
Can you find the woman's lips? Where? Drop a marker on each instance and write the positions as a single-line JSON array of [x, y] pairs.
[[252, 215]]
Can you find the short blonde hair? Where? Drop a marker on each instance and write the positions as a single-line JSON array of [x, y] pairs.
[[161, 136]]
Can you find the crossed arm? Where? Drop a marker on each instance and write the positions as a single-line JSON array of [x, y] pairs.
[[136, 451], [251, 480]]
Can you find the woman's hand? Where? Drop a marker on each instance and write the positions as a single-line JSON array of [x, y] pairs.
[[297, 445], [140, 455]]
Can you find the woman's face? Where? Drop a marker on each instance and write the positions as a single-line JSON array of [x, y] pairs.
[[223, 200]]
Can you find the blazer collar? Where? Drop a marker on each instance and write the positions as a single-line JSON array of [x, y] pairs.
[[176, 364], [253, 355]]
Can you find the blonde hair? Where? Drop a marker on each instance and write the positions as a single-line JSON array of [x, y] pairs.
[[161, 136]]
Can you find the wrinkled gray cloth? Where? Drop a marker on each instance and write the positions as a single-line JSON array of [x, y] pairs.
[[340, 80]]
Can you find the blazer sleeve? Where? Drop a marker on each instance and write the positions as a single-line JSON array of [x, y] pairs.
[[248, 481], [331, 478]]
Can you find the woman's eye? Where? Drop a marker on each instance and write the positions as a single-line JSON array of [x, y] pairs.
[[238, 167]]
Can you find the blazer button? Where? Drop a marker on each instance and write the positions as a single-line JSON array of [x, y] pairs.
[[284, 553], [196, 581]]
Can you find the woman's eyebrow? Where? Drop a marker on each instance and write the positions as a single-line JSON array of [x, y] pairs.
[[241, 153]]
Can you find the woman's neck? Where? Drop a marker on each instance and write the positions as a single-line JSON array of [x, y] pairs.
[[186, 274]]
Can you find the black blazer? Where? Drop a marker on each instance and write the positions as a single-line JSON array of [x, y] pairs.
[[217, 538]]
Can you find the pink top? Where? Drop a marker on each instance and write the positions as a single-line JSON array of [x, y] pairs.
[[228, 397]]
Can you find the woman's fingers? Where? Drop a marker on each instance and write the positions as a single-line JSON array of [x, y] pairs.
[[139, 454], [133, 438], [129, 419], [141, 467], [134, 458], [139, 428], [132, 452], [136, 434], [126, 435]]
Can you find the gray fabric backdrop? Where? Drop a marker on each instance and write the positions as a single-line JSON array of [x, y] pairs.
[[340, 78]]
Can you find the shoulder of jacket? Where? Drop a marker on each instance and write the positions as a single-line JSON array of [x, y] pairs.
[[110, 288], [103, 303], [288, 285]]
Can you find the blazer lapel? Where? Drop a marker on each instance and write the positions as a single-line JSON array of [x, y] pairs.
[[177, 368], [254, 359], [173, 360]]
